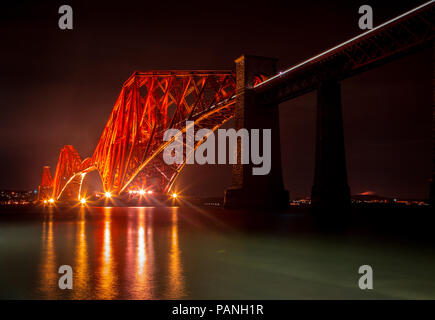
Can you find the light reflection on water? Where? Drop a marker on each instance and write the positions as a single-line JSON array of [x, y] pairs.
[[48, 268], [106, 287], [173, 253], [102, 280], [176, 280], [81, 265], [140, 251]]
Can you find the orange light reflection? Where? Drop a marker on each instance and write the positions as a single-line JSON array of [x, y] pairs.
[[48, 271], [81, 268], [106, 286], [176, 286]]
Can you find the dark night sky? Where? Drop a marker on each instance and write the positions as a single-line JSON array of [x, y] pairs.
[[58, 87]]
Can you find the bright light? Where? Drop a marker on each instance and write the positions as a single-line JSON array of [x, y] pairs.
[[83, 200], [174, 195], [51, 200], [150, 191], [130, 192], [108, 194], [45, 201], [141, 192]]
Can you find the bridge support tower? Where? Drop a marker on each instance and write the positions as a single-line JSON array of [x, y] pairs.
[[45, 189], [330, 189], [248, 190]]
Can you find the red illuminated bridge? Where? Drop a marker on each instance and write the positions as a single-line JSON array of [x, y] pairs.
[[129, 154]]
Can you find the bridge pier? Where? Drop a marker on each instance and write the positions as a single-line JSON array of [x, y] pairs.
[[248, 190], [330, 187]]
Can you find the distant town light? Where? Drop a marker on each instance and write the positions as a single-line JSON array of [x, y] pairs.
[[45, 201], [150, 191]]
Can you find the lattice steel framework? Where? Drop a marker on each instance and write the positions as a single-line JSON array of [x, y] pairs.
[[70, 172], [129, 152], [45, 189]]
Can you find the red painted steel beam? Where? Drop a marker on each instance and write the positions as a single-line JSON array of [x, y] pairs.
[[149, 103]]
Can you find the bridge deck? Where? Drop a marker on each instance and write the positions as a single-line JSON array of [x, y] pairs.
[[379, 45]]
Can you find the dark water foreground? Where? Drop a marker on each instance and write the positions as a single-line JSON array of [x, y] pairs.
[[200, 253]]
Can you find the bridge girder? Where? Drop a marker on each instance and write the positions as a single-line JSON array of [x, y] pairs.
[[129, 152], [386, 42]]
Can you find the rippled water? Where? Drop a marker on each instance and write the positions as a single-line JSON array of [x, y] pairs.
[[173, 253]]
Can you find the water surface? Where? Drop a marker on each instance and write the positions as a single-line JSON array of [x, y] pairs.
[[190, 253]]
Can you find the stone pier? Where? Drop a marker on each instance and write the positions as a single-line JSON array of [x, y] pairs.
[[248, 190]]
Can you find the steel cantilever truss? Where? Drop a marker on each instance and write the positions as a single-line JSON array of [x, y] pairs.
[[69, 174], [129, 152]]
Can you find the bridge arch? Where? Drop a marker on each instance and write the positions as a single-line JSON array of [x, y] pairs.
[[211, 120], [130, 150], [73, 188], [129, 153]]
